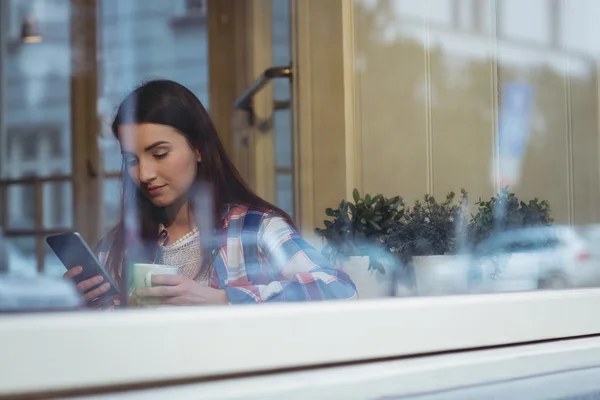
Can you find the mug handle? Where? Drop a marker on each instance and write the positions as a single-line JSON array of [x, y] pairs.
[[148, 279]]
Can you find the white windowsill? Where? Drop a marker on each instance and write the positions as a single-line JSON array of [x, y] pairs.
[[537, 371], [44, 352]]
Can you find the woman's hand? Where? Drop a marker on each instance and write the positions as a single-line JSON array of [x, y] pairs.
[[177, 290], [92, 297]]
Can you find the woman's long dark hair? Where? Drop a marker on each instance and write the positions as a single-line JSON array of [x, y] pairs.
[[168, 103]]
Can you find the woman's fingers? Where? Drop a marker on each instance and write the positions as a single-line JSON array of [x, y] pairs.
[[99, 291], [73, 272], [104, 303], [86, 285], [167, 280], [174, 301], [167, 286], [160, 291]]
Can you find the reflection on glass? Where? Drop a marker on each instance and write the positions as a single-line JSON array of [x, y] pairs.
[[21, 206], [491, 97], [145, 40], [111, 203], [282, 127], [283, 131], [35, 130], [21, 255], [53, 267], [58, 204], [285, 192], [472, 134]]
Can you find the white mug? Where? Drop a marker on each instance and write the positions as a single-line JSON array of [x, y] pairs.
[[142, 273]]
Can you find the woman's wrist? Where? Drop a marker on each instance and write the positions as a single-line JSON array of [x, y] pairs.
[[221, 297]]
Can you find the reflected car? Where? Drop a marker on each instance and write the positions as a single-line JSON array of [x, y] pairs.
[[550, 257]]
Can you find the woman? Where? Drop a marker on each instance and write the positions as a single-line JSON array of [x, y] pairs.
[[171, 157]]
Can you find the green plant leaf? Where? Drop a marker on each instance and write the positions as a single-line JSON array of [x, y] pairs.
[[352, 208], [375, 225]]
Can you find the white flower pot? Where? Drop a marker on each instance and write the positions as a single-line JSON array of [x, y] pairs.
[[370, 284], [517, 272], [441, 275]]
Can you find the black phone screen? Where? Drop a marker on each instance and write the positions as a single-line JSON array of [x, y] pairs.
[[72, 251]]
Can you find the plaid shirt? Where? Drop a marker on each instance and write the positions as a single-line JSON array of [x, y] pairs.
[[264, 259]]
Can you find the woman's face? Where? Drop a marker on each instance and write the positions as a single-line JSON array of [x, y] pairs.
[[160, 161]]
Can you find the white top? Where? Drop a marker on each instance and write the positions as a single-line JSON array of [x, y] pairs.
[[185, 253]]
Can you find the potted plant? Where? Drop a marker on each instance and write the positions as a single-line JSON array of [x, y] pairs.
[[353, 243], [496, 220], [504, 212], [427, 237]]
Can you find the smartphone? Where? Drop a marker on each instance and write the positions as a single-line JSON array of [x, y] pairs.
[[72, 251]]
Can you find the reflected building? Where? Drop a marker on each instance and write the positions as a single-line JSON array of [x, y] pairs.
[[448, 65], [137, 40]]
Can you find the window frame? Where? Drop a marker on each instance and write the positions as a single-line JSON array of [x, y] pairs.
[[348, 332]]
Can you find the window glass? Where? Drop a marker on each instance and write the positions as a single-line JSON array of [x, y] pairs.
[[438, 147]]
